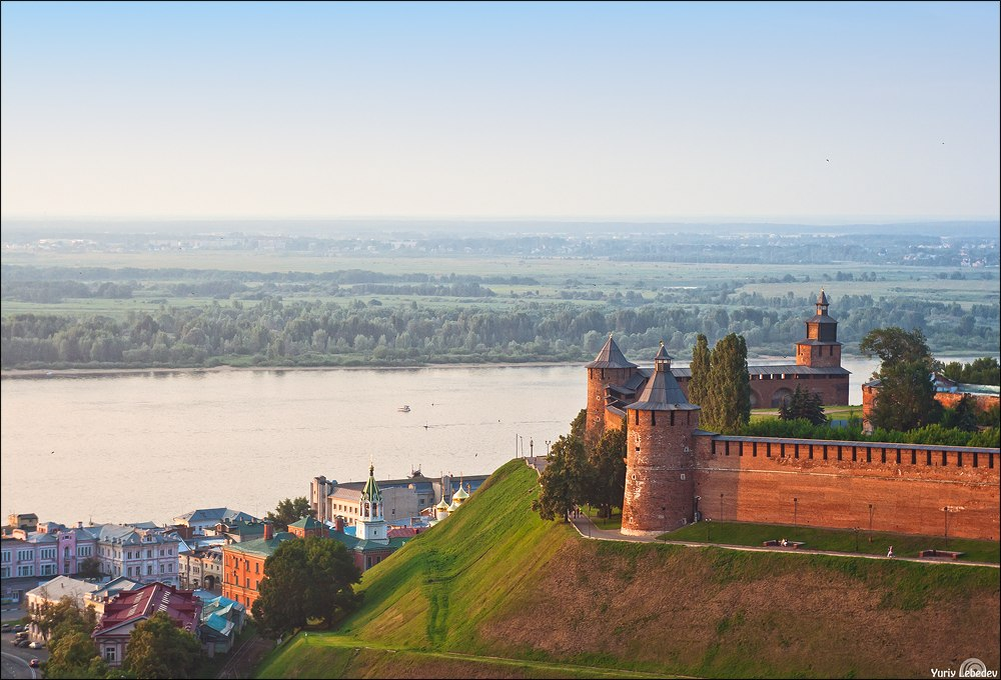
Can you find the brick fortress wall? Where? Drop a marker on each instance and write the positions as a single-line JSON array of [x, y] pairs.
[[886, 487], [771, 389]]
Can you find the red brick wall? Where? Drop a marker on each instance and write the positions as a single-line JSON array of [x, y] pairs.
[[983, 402], [659, 471], [833, 391], [785, 482]]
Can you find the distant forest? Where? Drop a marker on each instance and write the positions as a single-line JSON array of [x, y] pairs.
[[296, 319]]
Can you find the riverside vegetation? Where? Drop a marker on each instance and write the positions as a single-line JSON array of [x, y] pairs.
[[187, 318], [495, 591]]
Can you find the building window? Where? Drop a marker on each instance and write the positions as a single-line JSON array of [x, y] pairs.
[[26, 570], [110, 654], [25, 555], [149, 569], [6, 556]]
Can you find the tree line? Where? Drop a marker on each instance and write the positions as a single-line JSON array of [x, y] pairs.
[[277, 332]]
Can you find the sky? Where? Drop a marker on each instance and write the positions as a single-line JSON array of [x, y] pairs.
[[595, 111]]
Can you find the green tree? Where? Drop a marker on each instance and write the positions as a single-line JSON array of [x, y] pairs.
[[306, 579], [700, 370], [906, 397], [804, 404], [562, 481], [982, 371], [64, 615], [963, 416], [74, 656], [727, 402], [894, 345], [90, 568], [288, 511], [158, 648], [605, 477]]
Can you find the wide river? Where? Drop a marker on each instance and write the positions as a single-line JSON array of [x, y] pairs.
[[151, 446]]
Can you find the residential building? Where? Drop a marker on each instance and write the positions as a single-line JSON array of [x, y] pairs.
[[51, 593], [144, 554], [222, 620], [204, 520], [130, 608], [107, 592], [243, 565], [25, 522], [28, 555]]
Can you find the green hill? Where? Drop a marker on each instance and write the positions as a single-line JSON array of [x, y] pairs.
[[494, 591]]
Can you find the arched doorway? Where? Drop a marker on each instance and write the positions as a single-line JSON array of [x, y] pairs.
[[209, 582]]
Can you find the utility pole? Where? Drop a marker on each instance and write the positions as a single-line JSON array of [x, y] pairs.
[[870, 522], [795, 511]]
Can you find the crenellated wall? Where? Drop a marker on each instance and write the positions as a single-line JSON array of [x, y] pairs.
[[905, 488]]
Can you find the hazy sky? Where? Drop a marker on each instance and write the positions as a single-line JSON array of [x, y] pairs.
[[585, 110]]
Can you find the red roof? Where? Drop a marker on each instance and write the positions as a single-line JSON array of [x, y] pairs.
[[401, 532], [138, 605]]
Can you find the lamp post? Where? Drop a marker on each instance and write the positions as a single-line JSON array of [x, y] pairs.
[[795, 511], [709, 530], [870, 522], [547, 447], [856, 539], [946, 511], [721, 507]]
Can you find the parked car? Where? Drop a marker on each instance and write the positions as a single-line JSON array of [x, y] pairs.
[[6, 628], [33, 663], [37, 645], [20, 628], [23, 642], [23, 635]]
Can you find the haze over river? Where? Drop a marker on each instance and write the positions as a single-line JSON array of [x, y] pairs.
[[151, 446]]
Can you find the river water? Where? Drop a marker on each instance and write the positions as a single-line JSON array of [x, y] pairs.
[[151, 446]]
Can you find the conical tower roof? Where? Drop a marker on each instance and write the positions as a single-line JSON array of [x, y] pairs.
[[822, 298], [371, 491], [461, 493], [610, 356], [442, 505], [662, 392]]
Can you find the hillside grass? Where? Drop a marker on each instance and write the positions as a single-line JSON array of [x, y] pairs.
[[835, 540], [493, 591]]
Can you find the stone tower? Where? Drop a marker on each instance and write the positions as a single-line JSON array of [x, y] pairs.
[[820, 348], [610, 367], [660, 462], [371, 524]]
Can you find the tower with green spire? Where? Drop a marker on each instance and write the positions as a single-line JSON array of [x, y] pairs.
[[371, 524]]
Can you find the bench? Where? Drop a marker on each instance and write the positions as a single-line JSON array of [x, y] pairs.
[[777, 543], [940, 553]]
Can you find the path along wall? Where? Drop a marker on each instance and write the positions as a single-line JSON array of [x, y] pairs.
[[905, 488]]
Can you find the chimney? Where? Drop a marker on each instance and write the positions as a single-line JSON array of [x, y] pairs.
[[339, 524], [268, 532], [79, 524]]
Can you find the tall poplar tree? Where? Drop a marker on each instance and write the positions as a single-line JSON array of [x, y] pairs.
[[727, 403], [700, 371]]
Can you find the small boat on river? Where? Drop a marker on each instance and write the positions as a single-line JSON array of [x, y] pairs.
[[404, 409]]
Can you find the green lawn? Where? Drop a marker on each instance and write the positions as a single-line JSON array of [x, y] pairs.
[[614, 522], [837, 540]]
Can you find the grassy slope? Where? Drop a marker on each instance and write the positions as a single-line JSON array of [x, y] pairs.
[[495, 581]]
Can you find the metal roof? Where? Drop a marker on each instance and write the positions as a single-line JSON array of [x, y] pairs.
[[610, 356]]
